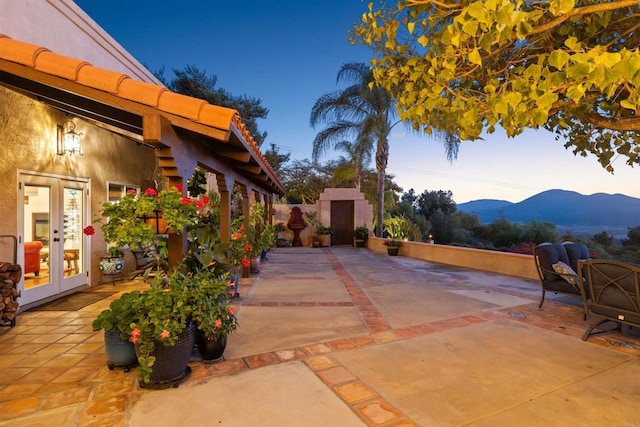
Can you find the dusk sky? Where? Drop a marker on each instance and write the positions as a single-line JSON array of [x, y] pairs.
[[287, 53]]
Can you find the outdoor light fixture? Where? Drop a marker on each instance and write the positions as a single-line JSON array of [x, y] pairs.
[[68, 139]]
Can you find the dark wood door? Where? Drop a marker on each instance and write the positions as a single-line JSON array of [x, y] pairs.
[[342, 222]]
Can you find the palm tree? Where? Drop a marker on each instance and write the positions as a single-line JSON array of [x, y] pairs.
[[358, 157], [363, 112]]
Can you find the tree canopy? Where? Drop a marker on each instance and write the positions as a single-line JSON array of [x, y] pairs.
[[194, 82], [466, 67]]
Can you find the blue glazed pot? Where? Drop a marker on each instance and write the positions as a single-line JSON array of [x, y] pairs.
[[121, 353]]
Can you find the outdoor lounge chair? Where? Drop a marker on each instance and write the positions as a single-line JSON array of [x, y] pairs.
[[614, 289], [146, 260], [556, 279]]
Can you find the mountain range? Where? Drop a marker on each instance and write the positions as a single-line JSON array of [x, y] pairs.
[[566, 209]]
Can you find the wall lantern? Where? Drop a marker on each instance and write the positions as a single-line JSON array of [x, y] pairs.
[[69, 139]]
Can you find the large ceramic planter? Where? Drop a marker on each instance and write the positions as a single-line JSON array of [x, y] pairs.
[[120, 352], [393, 250], [325, 240], [172, 362], [210, 350], [360, 243]]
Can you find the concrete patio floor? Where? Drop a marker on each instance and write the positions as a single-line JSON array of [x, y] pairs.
[[344, 337]]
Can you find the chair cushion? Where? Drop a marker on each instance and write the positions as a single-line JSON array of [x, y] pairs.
[[566, 272], [575, 252]]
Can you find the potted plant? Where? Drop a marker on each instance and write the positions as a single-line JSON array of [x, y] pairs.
[[163, 330], [164, 317], [237, 254], [397, 229], [215, 319], [393, 246], [312, 219], [113, 263], [116, 323], [324, 235], [360, 236], [261, 236], [132, 221]]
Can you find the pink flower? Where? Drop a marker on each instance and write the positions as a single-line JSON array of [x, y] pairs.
[[89, 230], [205, 200], [132, 192], [135, 334], [164, 334], [218, 323], [247, 247], [179, 187], [232, 310], [186, 200], [199, 204], [245, 262], [236, 236]]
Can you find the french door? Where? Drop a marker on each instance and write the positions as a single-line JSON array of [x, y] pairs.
[[52, 211]]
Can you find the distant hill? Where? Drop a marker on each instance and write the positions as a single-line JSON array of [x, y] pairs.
[[566, 209]]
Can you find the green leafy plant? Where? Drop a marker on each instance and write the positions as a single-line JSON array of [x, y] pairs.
[[262, 235], [119, 316], [115, 252], [196, 291], [171, 303], [312, 219], [211, 310], [129, 222], [399, 229], [322, 229], [361, 233], [239, 248]]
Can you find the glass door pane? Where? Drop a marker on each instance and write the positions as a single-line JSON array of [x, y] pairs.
[[72, 231], [37, 235], [73, 218]]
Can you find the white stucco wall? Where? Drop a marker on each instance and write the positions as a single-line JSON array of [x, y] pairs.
[[62, 27]]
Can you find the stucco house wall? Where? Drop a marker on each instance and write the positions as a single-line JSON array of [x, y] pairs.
[[28, 140], [362, 211], [64, 28]]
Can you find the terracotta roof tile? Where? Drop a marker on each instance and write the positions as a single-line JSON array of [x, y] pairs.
[[145, 93], [121, 85], [218, 117], [22, 53], [58, 65], [101, 79], [182, 105]]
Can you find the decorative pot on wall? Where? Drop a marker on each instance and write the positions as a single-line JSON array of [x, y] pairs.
[[111, 265], [393, 250]]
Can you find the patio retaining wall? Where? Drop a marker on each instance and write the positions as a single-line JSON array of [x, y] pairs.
[[498, 262]]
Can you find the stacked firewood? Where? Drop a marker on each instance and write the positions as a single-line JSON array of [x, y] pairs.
[[10, 275]]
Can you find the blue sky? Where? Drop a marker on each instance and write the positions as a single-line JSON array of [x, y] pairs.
[[288, 52]]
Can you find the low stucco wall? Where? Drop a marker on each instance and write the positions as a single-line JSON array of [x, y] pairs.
[[498, 262]]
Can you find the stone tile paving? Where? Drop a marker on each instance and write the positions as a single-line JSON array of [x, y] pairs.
[[53, 367]]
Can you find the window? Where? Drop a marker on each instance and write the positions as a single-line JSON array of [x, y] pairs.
[[116, 191]]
